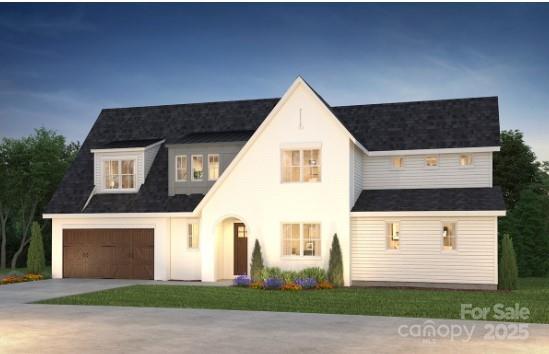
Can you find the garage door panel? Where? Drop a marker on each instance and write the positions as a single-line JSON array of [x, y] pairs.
[[108, 253]]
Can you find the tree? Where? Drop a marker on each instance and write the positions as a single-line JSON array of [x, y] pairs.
[[256, 267], [34, 166], [335, 266], [528, 222], [515, 166], [508, 272], [36, 260], [5, 197]]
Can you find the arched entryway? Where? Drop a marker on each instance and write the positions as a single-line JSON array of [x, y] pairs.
[[232, 248]]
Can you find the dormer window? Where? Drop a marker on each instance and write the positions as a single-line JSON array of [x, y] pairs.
[[119, 174], [181, 174], [197, 167]]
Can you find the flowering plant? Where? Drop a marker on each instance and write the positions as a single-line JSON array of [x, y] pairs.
[[257, 285], [325, 285], [273, 283], [242, 280], [291, 287], [306, 283]]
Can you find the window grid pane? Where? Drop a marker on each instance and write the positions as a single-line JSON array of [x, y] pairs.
[[192, 238], [290, 239], [465, 160], [119, 174], [311, 165], [213, 167], [431, 161], [291, 166]]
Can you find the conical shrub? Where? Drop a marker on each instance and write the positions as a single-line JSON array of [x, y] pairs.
[[256, 267], [335, 267], [36, 260], [508, 271]]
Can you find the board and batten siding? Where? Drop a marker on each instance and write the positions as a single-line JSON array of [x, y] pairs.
[[420, 257], [378, 172]]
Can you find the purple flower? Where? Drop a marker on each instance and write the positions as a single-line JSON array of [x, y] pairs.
[[242, 280], [273, 283], [306, 283]]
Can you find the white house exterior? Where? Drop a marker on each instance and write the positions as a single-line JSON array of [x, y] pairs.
[[290, 173]]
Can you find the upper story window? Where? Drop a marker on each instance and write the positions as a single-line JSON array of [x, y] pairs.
[[301, 239], [197, 167], [301, 165], [449, 236], [192, 236], [465, 160], [398, 162], [213, 167], [119, 174], [393, 235], [181, 173], [431, 161]]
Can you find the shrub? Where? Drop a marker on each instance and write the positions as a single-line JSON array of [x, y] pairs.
[[273, 283], [325, 285], [306, 283], [335, 267], [257, 285], [289, 276], [242, 280], [508, 271], [256, 267], [316, 273], [291, 287], [271, 272], [36, 260]]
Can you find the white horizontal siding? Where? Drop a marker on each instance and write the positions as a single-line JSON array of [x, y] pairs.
[[420, 257], [378, 172], [356, 173]]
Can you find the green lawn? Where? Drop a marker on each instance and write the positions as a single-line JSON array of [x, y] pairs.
[[533, 294]]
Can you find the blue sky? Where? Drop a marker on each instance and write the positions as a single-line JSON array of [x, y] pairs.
[[60, 64]]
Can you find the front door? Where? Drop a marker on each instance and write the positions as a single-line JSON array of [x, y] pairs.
[[240, 249]]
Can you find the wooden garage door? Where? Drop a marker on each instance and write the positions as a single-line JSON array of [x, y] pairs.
[[108, 253]]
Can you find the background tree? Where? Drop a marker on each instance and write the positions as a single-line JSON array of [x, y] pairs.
[[508, 273], [515, 166], [335, 266], [36, 261], [256, 267], [34, 167]]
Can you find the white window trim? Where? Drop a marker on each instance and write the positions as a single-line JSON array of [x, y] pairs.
[[187, 163], [192, 168], [448, 221], [197, 248], [392, 164], [466, 166], [428, 156], [119, 159], [301, 163], [301, 257], [218, 166], [385, 234]]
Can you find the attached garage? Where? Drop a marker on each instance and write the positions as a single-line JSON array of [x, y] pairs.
[[108, 253]]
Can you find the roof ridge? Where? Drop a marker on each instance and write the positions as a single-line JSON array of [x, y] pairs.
[[191, 104], [418, 101]]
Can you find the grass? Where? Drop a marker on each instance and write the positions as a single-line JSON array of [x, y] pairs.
[[533, 294]]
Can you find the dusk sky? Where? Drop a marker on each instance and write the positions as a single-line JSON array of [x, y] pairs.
[[61, 64]]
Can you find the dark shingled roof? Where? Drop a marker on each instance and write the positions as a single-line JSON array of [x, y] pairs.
[[444, 199], [411, 125], [214, 137], [127, 144]]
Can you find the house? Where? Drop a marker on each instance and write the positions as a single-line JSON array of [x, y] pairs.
[[181, 192]]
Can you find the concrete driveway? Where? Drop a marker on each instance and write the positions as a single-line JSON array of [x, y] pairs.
[[28, 328]]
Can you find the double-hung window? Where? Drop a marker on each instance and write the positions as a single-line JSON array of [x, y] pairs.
[[213, 167], [197, 167], [181, 173], [448, 236], [301, 165], [119, 174], [301, 239], [393, 235]]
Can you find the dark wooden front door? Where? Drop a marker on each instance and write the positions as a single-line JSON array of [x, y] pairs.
[[108, 253], [240, 249]]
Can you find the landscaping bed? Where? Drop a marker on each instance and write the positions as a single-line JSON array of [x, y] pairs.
[[532, 294], [20, 275]]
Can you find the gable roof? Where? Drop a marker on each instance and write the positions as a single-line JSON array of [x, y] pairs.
[[442, 199], [396, 126]]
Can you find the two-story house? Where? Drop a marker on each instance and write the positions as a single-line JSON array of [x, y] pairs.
[[181, 192]]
